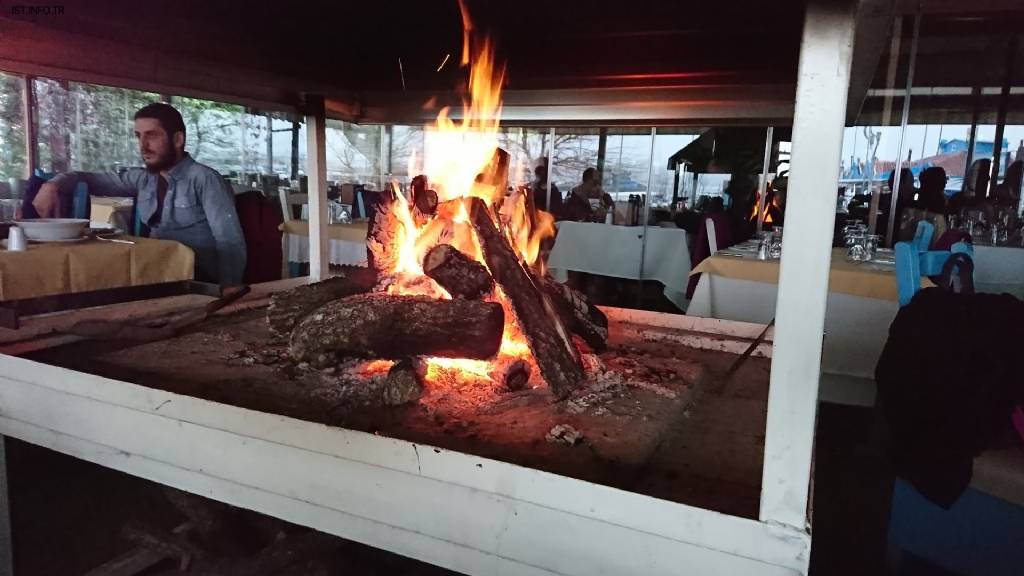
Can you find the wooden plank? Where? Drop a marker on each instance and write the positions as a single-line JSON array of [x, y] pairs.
[[466, 513]]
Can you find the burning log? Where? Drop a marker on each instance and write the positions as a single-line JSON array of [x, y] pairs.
[[577, 313], [555, 353], [423, 198], [380, 325], [380, 235], [289, 307], [457, 273]]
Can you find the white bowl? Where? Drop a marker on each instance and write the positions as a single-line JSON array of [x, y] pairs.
[[50, 229]]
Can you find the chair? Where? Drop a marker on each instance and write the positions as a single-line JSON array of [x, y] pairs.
[[709, 224], [73, 204], [914, 259], [289, 201]]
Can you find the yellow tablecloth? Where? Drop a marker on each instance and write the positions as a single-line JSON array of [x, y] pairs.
[[354, 232], [857, 279], [62, 268]]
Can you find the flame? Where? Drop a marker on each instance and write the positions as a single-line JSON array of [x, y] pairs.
[[462, 161], [767, 209]]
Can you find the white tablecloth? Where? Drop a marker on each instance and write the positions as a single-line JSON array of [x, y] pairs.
[[856, 329], [615, 251], [999, 269], [342, 252]]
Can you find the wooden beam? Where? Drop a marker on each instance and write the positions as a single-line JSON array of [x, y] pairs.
[[823, 82]]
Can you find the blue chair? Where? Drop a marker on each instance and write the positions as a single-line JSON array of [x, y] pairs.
[[73, 205], [914, 259], [980, 533]]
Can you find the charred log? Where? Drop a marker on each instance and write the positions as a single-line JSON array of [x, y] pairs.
[[457, 273], [289, 307], [553, 350], [578, 313], [382, 325], [380, 235]]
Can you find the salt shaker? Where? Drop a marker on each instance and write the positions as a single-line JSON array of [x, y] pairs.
[[16, 239]]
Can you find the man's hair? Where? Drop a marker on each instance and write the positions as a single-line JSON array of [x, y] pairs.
[[170, 119], [589, 174]]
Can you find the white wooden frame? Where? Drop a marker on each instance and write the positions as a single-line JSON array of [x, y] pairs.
[[316, 172], [464, 512]]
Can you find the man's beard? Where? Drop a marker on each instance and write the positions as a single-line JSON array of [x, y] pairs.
[[162, 163]]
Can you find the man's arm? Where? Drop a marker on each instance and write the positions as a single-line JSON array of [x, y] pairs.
[[100, 184], [219, 206]]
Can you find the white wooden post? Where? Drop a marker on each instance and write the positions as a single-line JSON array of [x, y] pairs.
[[823, 80], [316, 173]]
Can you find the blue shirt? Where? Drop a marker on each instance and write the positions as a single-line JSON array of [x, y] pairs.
[[199, 211]]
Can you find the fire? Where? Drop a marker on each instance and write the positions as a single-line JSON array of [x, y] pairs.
[[462, 161], [767, 209]]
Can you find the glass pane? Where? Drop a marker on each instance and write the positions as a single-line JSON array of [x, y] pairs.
[[575, 151], [354, 153], [12, 129], [216, 134], [52, 124]]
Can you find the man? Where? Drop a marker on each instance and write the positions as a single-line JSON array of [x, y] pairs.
[[177, 197], [577, 205], [539, 191]]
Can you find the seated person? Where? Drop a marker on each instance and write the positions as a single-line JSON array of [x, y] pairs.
[[539, 191], [177, 197], [577, 204], [930, 205]]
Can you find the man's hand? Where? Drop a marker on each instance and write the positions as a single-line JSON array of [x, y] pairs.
[[46, 200]]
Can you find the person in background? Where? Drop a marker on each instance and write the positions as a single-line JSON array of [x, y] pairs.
[[577, 205], [176, 197], [539, 191], [929, 205]]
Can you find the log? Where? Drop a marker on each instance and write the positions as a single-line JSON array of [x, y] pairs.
[[380, 235], [457, 273], [578, 313], [380, 325], [423, 198], [549, 340], [289, 307]]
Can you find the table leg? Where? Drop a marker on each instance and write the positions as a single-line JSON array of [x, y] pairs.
[[6, 543]]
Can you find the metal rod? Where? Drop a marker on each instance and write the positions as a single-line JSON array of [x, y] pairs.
[[890, 236], [647, 216], [972, 137], [762, 202], [1004, 100], [551, 162]]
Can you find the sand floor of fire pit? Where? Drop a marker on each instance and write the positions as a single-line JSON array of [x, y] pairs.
[[632, 426]]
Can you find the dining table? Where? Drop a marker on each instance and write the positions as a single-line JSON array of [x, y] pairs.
[[615, 251], [862, 302], [347, 246], [54, 268]]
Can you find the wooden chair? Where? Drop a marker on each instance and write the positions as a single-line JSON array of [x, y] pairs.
[[289, 200]]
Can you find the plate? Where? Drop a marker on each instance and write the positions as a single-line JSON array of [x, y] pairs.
[[60, 240], [53, 228]]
